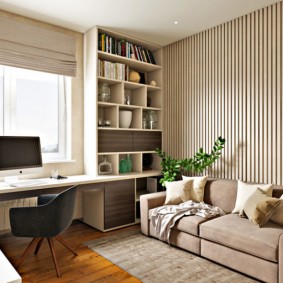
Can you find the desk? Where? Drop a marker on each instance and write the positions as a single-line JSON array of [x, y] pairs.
[[108, 204], [7, 271], [55, 186]]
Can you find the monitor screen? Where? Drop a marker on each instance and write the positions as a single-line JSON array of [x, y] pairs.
[[19, 155]]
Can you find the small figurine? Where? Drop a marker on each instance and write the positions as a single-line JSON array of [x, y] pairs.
[[152, 83]]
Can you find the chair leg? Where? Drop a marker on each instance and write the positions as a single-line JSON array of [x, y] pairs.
[[50, 242], [27, 251], [60, 240], [38, 246]]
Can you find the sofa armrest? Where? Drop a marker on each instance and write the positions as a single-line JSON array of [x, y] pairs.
[[148, 202], [280, 259]]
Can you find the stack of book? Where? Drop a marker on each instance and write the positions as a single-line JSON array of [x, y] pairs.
[[111, 70], [124, 48]]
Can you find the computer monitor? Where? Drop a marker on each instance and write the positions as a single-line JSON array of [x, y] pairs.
[[20, 156]]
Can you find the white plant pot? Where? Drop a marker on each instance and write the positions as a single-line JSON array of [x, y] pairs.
[[125, 118]]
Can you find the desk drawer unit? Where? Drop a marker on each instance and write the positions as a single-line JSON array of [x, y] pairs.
[[109, 205]]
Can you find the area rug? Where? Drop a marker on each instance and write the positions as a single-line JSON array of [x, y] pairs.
[[153, 261]]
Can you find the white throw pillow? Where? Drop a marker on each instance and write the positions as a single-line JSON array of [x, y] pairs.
[[178, 192], [198, 187], [246, 190]]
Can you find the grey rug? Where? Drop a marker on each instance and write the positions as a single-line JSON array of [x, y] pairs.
[[153, 261]]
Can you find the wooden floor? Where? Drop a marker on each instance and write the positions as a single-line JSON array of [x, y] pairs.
[[88, 266]]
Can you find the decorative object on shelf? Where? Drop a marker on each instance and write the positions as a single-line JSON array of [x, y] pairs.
[[142, 78], [144, 123], [123, 166], [152, 119], [149, 119], [100, 122], [104, 167], [104, 92], [152, 83], [147, 159], [125, 118], [127, 98], [107, 123], [201, 161], [129, 163], [134, 77]]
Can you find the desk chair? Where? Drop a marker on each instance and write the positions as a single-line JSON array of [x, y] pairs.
[[52, 216]]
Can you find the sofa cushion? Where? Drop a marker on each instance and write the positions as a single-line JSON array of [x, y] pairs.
[[221, 193], [259, 207], [188, 224], [178, 191], [197, 192], [245, 190], [240, 234]]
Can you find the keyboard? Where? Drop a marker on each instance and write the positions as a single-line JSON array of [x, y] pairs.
[[28, 183]]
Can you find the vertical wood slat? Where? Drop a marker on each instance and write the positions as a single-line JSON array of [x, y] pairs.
[[228, 81]]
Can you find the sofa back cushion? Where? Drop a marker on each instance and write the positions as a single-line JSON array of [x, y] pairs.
[[223, 193]]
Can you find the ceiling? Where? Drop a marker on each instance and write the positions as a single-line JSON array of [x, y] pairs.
[[151, 20]]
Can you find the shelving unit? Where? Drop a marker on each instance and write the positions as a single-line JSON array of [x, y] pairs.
[[111, 141]]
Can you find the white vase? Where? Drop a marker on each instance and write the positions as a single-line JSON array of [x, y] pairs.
[[125, 118]]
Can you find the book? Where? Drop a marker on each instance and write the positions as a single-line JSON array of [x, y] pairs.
[[124, 48]]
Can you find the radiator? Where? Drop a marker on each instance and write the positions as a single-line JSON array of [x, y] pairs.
[[6, 205]]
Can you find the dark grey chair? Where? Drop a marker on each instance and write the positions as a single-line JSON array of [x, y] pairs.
[[52, 216]]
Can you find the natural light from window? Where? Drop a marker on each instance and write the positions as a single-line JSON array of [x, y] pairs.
[[34, 104]]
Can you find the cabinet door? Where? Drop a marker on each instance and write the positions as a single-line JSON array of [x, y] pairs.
[[119, 203]]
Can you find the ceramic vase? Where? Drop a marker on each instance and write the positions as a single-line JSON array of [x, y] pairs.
[[125, 118]]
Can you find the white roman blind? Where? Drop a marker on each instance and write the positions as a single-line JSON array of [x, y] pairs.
[[28, 46]]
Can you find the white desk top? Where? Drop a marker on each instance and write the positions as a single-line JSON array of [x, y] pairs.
[[76, 180], [7, 271]]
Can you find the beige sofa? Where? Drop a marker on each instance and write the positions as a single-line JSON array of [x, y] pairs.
[[229, 240]]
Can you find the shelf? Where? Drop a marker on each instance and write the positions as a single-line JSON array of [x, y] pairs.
[[152, 108], [148, 173], [130, 85], [125, 106], [108, 81], [136, 160], [106, 104], [137, 65], [151, 88], [125, 152], [129, 129], [128, 107]]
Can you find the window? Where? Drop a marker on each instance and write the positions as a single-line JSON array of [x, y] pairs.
[[35, 104]]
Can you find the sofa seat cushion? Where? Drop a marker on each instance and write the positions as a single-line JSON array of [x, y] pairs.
[[242, 235], [188, 224]]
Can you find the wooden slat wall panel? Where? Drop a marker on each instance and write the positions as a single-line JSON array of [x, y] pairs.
[[228, 81]]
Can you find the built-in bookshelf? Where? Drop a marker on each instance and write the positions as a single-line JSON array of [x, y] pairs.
[[110, 58]]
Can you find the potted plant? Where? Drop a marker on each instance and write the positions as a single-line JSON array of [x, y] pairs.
[[172, 168]]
